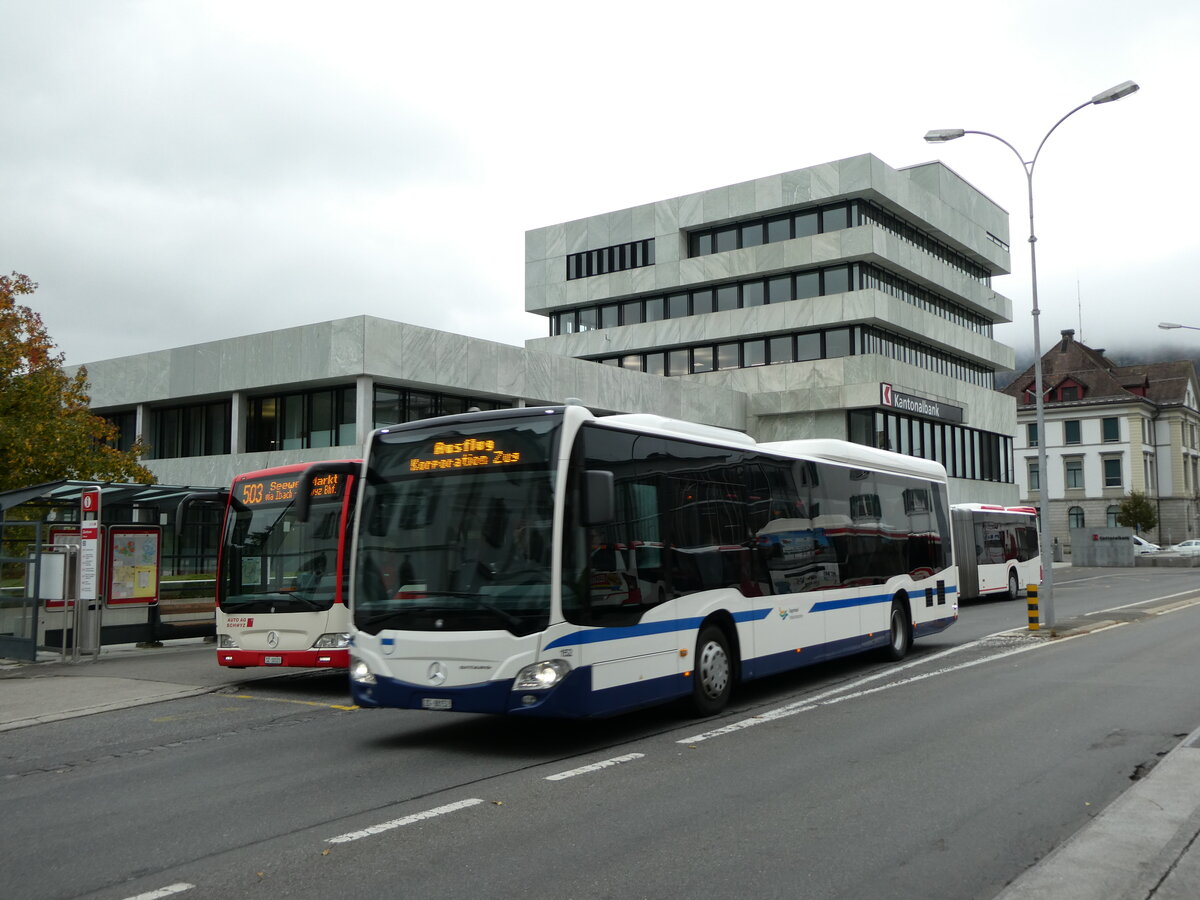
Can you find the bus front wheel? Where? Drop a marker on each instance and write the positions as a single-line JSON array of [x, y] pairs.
[[899, 631], [712, 678], [1014, 586]]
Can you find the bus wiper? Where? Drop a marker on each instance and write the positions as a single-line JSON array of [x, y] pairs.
[[406, 612], [506, 617], [503, 615]]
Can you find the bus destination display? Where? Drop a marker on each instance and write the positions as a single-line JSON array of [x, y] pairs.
[[282, 489], [468, 453]]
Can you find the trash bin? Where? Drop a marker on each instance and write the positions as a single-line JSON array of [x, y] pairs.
[[1058, 551]]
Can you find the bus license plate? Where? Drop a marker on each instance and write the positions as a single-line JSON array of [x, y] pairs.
[[436, 703], [272, 660]]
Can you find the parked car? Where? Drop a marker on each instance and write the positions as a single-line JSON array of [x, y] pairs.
[[1141, 546], [1187, 548]]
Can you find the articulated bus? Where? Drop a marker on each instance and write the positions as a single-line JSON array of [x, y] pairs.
[[281, 582], [549, 562], [998, 549]]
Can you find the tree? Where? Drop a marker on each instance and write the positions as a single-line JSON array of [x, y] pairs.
[[47, 429], [1137, 511]]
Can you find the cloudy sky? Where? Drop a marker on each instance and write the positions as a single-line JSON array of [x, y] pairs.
[[177, 171]]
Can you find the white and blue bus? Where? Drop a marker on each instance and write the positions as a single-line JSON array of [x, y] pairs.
[[550, 562], [998, 549]]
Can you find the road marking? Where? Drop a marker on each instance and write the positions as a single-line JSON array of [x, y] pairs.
[[407, 820], [596, 767], [164, 892], [300, 702], [838, 694], [1192, 592]]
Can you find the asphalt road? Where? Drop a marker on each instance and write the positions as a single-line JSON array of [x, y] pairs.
[[944, 776]]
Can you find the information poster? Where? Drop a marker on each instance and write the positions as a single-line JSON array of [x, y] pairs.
[[133, 564]]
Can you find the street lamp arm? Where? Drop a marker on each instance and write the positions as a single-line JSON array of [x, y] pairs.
[[1029, 165]]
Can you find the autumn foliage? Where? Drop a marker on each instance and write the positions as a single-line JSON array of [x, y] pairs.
[[47, 429]]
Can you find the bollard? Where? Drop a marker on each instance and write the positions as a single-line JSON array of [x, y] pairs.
[[1031, 592]]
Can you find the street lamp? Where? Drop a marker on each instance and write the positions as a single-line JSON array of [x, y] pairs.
[[941, 135], [1170, 325]]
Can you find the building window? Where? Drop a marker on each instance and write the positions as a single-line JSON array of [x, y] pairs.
[[1031, 435], [298, 421], [199, 430], [1110, 430], [1035, 481], [965, 452], [1110, 516], [800, 285], [126, 425], [1071, 432], [1112, 472], [1073, 470], [1075, 517], [617, 258]]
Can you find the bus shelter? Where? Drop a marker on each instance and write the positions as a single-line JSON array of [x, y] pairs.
[[89, 563]]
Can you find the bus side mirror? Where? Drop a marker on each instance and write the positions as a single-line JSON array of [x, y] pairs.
[[303, 499], [599, 504]]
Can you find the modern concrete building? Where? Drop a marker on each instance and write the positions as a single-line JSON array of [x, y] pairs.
[[1110, 430], [847, 300], [210, 411]]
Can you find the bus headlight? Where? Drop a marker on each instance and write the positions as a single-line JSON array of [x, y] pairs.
[[226, 642], [541, 675], [335, 641], [360, 672]]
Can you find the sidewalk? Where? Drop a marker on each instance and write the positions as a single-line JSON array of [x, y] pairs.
[[50, 689]]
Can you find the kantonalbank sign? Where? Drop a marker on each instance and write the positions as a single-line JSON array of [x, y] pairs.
[[469, 453], [919, 406]]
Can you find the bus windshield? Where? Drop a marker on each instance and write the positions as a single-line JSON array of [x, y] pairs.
[[271, 561], [455, 531]]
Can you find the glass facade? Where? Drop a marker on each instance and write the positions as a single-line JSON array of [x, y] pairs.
[[744, 294], [200, 429], [965, 452], [829, 343]]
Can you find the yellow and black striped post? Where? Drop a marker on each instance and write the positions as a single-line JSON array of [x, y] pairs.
[[1031, 591]]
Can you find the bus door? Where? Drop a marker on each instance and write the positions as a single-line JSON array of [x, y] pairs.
[[627, 593]]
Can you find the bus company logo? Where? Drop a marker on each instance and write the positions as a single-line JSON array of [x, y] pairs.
[[786, 614], [436, 673], [239, 621]]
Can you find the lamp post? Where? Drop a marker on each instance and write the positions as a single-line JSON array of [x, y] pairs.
[[1170, 325], [937, 136]]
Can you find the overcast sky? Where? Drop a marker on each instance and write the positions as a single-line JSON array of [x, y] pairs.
[[182, 171]]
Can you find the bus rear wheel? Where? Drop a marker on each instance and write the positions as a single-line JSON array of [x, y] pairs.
[[712, 678], [899, 632], [1014, 586]]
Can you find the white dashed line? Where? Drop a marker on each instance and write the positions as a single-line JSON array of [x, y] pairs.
[[839, 694], [407, 820], [164, 892], [595, 767]]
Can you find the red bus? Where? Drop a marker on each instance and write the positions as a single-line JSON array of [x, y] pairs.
[[282, 583]]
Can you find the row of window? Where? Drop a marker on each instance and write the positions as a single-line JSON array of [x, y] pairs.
[[1073, 474], [294, 421], [1075, 517], [965, 452], [829, 343], [1110, 431], [823, 219], [691, 517], [762, 291], [617, 258]]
